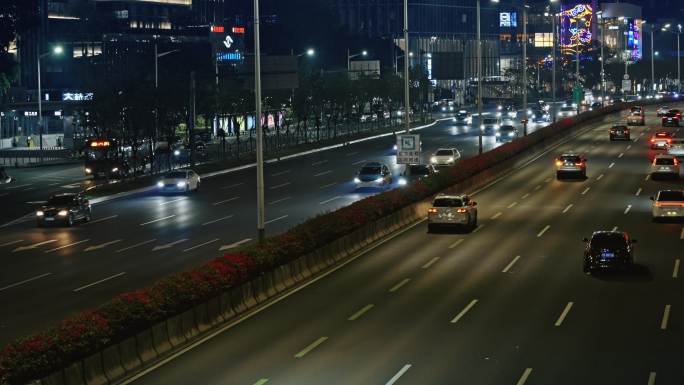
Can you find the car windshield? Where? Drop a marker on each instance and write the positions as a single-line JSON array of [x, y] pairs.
[[368, 170], [489, 121], [507, 128], [448, 202], [671, 196], [636, 113], [568, 108], [636, 109], [663, 135], [60, 200], [611, 241], [462, 114], [444, 153], [619, 127], [419, 169], [175, 175], [664, 161], [571, 158]]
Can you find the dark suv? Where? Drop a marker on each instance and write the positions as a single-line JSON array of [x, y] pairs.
[[619, 131], [64, 209], [671, 118], [608, 250]]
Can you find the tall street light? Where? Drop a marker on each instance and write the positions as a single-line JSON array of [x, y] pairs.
[[479, 80], [666, 28], [653, 87], [257, 118], [157, 55], [553, 72], [599, 14], [407, 108], [351, 56], [57, 50]]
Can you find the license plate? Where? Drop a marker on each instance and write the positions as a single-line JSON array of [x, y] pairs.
[[49, 219]]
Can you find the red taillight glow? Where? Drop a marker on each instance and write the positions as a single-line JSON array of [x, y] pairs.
[[652, 140], [461, 210], [676, 162], [669, 141], [578, 164]]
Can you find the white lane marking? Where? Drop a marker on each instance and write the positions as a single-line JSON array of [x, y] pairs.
[[169, 245], [359, 162], [30, 202], [508, 267], [276, 219], [279, 186], [68, 245], [478, 228], [351, 153], [399, 285], [33, 246], [136, 245], [638, 192], [564, 314], [201, 244], [525, 196], [537, 187], [12, 242], [512, 205], [311, 347], [20, 186], [545, 229], [24, 281], [621, 155], [681, 235], [320, 162], [281, 173], [586, 190], [359, 313], [599, 177], [614, 228], [279, 200], [218, 220], [330, 200], [648, 176], [103, 219], [675, 271], [496, 215], [261, 381], [157, 220], [629, 146], [323, 173], [172, 201], [547, 180], [524, 376], [232, 186], [629, 207], [225, 201], [611, 165], [464, 311], [651, 378], [103, 245], [234, 245], [430, 263], [666, 317], [458, 242], [100, 281], [400, 373], [567, 208], [328, 185]]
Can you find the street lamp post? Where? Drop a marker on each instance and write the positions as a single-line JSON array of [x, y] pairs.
[[553, 71], [602, 42], [350, 56], [479, 80], [257, 118], [653, 88], [407, 108], [57, 50], [524, 62], [679, 73]]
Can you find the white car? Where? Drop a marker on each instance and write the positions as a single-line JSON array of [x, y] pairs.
[[490, 124], [668, 204], [676, 148], [567, 111], [179, 181], [452, 210], [445, 157], [665, 165]]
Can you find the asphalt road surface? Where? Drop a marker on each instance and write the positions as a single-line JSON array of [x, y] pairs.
[[505, 304], [49, 273]]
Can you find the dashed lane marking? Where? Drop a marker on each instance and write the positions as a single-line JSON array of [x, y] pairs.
[[171, 201], [279, 186], [33, 246], [323, 173], [320, 162], [564, 314], [638, 192], [478, 228], [456, 243], [12, 242], [430, 263], [525, 196], [611, 165], [666, 317], [100, 281], [67, 245], [25, 281], [330, 200], [201, 244], [497, 215], [512, 205], [359, 162], [651, 378], [567, 208], [281, 173], [261, 381], [279, 200], [464, 311], [103, 245], [311, 347], [525, 375], [232, 186], [276, 219], [157, 220], [225, 201], [136, 245], [398, 375], [599, 177], [545, 229], [586, 190], [234, 245], [399, 285], [217, 220], [510, 265], [675, 271], [361, 312], [629, 207], [103, 219], [621, 155], [328, 185]]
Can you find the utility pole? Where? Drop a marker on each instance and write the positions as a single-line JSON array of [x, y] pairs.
[[653, 86], [679, 73], [407, 108], [553, 70], [524, 47], [603, 72], [192, 118], [257, 118], [479, 80]]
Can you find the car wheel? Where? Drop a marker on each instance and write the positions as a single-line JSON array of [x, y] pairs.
[[586, 268], [430, 228], [197, 187], [584, 175], [628, 138], [612, 139], [39, 224], [558, 175], [475, 221]]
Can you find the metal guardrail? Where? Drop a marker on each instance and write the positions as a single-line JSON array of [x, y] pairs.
[[22, 157]]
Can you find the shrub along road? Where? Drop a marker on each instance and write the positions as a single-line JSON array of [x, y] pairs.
[[49, 273], [506, 304]]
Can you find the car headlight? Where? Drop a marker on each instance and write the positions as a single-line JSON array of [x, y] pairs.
[[160, 184], [433, 159], [481, 126], [176, 152], [115, 169], [443, 108], [394, 147], [402, 182], [496, 126], [499, 108], [451, 108], [180, 184], [39, 213], [88, 170], [451, 159], [379, 180], [498, 135], [529, 112], [62, 213], [357, 180], [498, 114]]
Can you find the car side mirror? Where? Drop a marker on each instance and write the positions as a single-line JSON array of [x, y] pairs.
[[585, 240]]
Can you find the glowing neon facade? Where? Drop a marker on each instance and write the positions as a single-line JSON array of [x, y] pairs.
[[576, 26]]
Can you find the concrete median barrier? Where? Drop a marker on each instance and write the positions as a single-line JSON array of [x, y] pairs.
[[189, 324], [226, 305], [214, 314], [160, 338], [92, 371], [145, 346], [175, 330], [111, 362], [130, 360], [54, 379], [74, 374]]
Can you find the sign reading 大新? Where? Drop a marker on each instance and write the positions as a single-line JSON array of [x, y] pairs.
[[408, 149]]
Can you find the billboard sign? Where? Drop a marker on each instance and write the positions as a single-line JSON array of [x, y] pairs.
[[508, 19], [228, 44], [576, 28]]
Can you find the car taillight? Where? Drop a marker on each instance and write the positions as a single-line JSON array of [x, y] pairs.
[[652, 140], [432, 210], [578, 164], [669, 141], [461, 210], [676, 162]]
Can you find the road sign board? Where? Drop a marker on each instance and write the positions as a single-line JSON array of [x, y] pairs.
[[626, 86], [408, 149]]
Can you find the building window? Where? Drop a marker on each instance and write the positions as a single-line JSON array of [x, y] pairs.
[[122, 14], [543, 39]]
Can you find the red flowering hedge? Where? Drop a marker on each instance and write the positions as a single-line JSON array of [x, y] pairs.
[[127, 314]]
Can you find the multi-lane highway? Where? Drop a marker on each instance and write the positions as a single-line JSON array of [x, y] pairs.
[[48, 273], [505, 304]]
